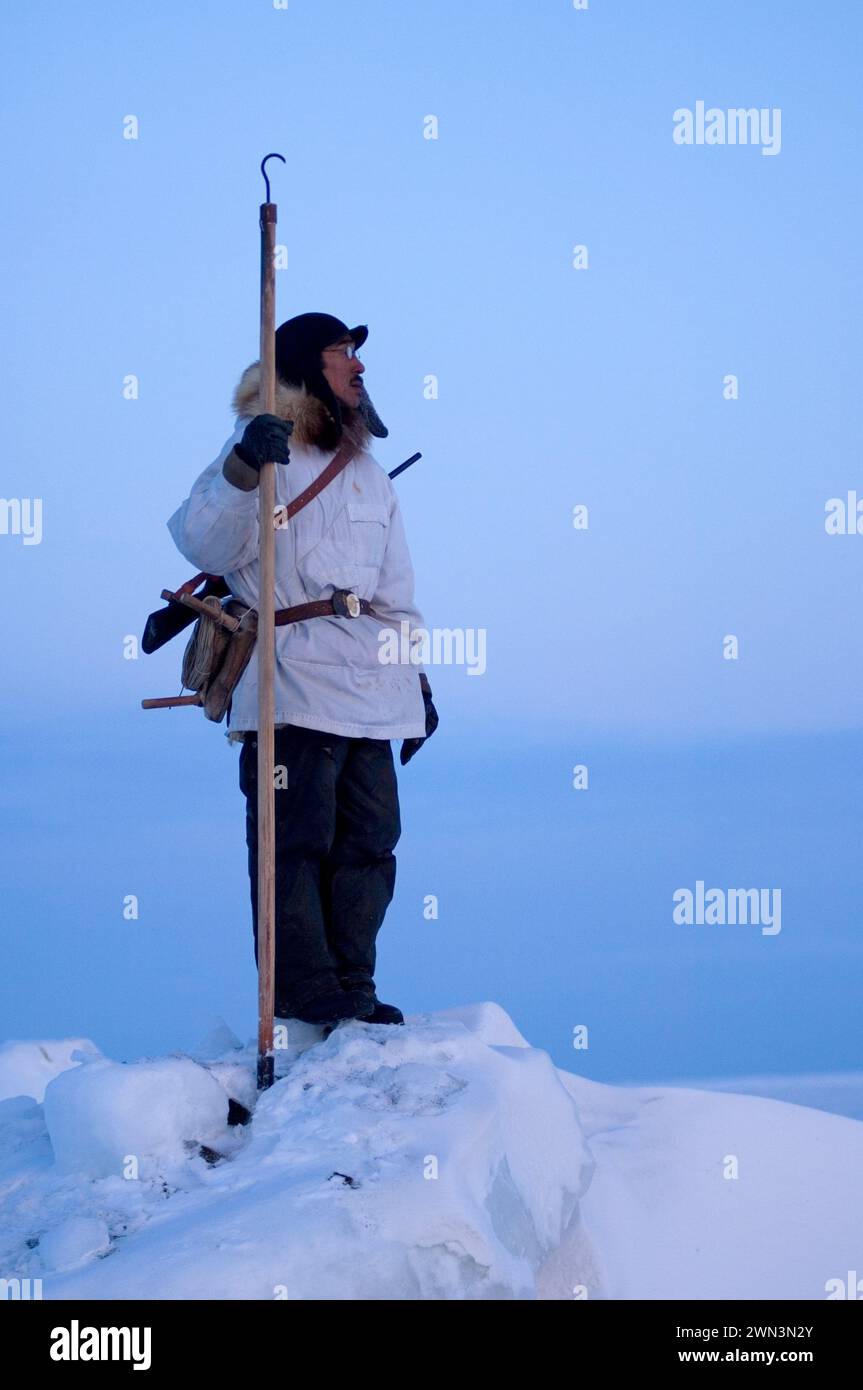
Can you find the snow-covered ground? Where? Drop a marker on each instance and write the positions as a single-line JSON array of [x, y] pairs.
[[447, 1160], [841, 1094]]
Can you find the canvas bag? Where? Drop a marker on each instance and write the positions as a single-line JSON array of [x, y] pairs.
[[215, 657]]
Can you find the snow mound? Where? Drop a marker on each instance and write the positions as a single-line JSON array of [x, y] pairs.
[[386, 1163], [699, 1194], [446, 1159], [108, 1118], [488, 1022], [27, 1067]]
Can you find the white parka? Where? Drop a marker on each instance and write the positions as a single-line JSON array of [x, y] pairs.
[[350, 536]]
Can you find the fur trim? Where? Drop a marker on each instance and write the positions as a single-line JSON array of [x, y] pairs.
[[311, 419]]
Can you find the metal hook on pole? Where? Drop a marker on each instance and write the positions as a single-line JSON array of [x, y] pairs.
[[264, 170]]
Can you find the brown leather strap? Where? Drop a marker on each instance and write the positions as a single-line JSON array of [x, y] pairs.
[[320, 608], [191, 584], [333, 468]]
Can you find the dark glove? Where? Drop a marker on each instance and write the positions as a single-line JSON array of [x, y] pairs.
[[265, 440], [411, 745]]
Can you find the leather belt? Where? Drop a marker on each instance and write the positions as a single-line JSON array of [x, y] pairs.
[[343, 604]]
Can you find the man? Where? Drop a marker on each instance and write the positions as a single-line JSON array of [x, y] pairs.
[[337, 704]]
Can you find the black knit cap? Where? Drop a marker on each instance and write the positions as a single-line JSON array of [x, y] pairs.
[[301, 340], [299, 343]]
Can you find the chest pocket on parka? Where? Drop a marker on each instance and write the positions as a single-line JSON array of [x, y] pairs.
[[350, 554], [369, 522]]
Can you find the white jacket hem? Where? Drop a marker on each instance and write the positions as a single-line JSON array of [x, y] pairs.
[[332, 726]]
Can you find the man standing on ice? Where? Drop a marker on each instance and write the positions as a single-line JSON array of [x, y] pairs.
[[337, 704]]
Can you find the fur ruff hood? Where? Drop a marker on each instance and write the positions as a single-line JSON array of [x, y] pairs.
[[313, 423]]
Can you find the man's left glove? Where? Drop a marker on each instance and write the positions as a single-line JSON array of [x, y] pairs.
[[410, 745]]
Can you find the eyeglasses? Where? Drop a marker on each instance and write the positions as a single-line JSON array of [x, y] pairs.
[[350, 350]]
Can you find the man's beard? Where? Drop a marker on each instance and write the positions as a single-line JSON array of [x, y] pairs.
[[366, 412], [362, 418]]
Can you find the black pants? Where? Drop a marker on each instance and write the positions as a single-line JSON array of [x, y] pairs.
[[337, 824]]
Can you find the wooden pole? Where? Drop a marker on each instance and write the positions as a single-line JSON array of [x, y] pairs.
[[266, 645]]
